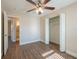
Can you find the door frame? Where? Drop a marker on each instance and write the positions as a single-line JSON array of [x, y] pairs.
[[13, 27], [62, 31]]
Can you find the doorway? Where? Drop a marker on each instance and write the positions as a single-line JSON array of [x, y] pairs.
[[54, 31], [14, 29], [62, 31], [9, 32], [17, 30]]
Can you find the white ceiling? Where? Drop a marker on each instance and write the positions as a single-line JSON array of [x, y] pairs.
[[16, 7]]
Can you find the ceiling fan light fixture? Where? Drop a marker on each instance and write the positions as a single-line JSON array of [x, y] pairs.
[[39, 10], [39, 6]]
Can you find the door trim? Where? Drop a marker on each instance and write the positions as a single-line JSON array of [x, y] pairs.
[[62, 31]]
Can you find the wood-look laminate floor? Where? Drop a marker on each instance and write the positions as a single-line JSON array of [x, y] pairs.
[[33, 51]]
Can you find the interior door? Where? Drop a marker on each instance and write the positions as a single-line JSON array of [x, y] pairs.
[[5, 33]]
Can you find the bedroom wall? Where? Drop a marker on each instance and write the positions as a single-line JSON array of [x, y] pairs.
[[42, 29], [71, 29], [29, 29], [70, 12]]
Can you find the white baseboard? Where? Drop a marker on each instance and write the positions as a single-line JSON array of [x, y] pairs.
[[71, 53], [23, 43], [55, 42], [13, 40], [42, 41]]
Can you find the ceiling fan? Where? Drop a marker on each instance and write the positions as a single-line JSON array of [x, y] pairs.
[[39, 6]]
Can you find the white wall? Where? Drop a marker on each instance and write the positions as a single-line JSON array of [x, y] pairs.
[[42, 29], [54, 28], [29, 29], [71, 27]]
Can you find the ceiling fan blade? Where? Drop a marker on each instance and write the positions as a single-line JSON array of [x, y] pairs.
[[31, 10], [50, 8], [46, 1], [30, 1]]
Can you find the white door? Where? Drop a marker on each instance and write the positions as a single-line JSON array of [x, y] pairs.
[[5, 33], [13, 30], [62, 32], [46, 31]]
